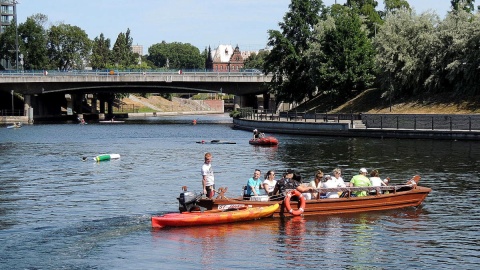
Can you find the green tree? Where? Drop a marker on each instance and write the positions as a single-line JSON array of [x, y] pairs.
[[33, 42], [407, 47], [68, 47], [467, 5], [176, 55], [8, 46], [287, 61], [256, 60], [457, 60], [366, 8], [341, 55], [393, 5], [101, 53], [122, 55]]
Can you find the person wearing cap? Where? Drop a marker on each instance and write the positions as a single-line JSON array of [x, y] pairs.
[[289, 182], [361, 180]]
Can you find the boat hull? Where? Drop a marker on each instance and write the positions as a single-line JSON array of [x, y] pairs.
[[213, 217], [397, 200], [264, 141]]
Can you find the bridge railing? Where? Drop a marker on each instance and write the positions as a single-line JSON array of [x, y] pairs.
[[114, 72]]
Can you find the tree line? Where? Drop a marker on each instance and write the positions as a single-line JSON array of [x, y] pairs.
[[339, 50], [67, 47], [342, 50]]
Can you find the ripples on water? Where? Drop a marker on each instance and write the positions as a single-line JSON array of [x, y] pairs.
[[57, 212]]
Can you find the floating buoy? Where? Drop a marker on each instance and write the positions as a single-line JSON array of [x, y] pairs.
[[106, 157], [194, 122]]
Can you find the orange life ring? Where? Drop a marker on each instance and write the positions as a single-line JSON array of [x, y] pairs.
[[300, 210]]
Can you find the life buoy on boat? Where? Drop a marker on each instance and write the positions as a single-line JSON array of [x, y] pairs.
[[300, 196]]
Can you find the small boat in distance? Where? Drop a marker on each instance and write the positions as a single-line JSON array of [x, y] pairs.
[[216, 142], [111, 122], [268, 141], [15, 125]]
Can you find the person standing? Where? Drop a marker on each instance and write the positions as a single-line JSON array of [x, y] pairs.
[[254, 184], [208, 180], [361, 180]]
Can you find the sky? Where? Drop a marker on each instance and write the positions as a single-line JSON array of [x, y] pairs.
[[201, 23]]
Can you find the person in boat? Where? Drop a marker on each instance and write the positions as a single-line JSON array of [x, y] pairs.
[[256, 134], [337, 177], [330, 182], [254, 184], [208, 179], [269, 183], [316, 183], [360, 180], [376, 180], [286, 183]]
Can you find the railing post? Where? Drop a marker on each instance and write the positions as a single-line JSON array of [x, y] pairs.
[[450, 123], [415, 123], [381, 122], [315, 112], [470, 123], [397, 122], [432, 122]]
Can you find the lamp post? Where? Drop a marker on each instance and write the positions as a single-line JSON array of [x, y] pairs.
[[15, 2]]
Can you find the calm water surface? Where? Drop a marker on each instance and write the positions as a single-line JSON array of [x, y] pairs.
[[57, 212]]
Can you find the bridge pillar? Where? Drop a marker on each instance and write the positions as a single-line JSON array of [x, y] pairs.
[[93, 106], [28, 109], [69, 99]]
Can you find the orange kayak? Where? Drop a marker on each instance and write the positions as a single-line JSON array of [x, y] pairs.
[[212, 217]]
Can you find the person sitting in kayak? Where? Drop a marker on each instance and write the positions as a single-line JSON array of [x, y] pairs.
[[286, 183]]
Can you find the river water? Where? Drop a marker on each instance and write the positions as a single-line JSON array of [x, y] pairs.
[[57, 212]]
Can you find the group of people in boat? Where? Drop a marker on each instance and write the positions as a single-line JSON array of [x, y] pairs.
[[276, 189]]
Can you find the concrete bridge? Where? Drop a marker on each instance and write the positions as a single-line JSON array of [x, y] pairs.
[[48, 91]]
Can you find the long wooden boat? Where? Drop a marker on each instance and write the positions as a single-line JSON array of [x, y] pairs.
[[399, 196], [213, 216]]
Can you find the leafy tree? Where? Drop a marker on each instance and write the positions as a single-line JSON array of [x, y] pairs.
[[8, 46], [256, 60], [366, 8], [467, 5], [457, 59], [176, 55], [122, 55], [68, 47], [287, 61], [406, 48], [101, 54], [341, 55], [393, 5], [33, 43]]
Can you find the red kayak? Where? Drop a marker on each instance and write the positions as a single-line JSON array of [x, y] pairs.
[[212, 217], [264, 141]]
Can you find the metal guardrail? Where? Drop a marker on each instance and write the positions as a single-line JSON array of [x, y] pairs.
[[254, 114], [422, 121]]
